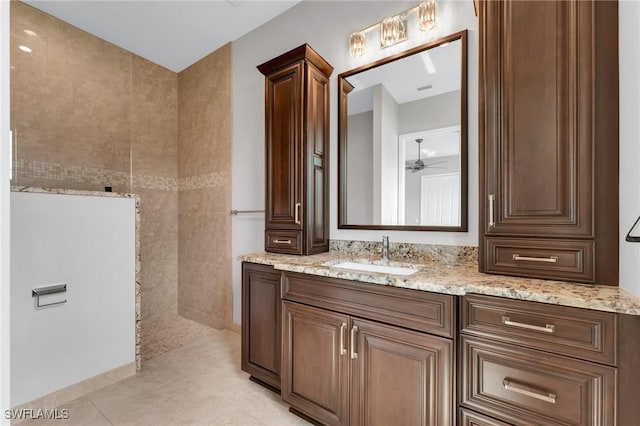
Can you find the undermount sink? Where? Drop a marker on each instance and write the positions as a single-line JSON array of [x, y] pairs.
[[395, 270]]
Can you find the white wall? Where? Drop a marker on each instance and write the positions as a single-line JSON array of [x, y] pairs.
[[385, 157], [360, 168], [326, 27], [629, 12], [5, 350], [89, 244], [430, 113]]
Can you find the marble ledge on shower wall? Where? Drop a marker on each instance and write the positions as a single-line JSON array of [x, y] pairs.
[[137, 241], [42, 171], [408, 251]]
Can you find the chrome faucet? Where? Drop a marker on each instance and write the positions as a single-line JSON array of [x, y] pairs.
[[385, 247]]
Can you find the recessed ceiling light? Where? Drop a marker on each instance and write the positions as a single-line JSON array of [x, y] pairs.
[[25, 49], [31, 33]]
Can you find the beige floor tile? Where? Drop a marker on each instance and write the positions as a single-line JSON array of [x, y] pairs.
[[80, 412], [196, 383]]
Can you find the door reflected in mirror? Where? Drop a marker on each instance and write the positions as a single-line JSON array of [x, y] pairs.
[[403, 140]]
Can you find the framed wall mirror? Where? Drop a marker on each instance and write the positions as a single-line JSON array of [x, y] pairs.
[[403, 140]]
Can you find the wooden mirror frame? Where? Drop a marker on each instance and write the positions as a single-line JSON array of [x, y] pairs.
[[344, 87]]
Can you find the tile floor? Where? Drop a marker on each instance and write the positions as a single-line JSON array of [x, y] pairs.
[[198, 383], [167, 334]]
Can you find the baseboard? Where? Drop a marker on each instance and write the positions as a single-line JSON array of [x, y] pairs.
[[235, 327], [77, 390]]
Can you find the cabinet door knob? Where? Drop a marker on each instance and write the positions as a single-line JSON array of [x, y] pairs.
[[354, 354], [297, 214], [343, 330]]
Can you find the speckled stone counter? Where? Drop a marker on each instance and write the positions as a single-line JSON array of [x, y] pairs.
[[457, 278], [137, 241]]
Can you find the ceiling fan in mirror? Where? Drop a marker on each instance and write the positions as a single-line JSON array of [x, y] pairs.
[[418, 165]]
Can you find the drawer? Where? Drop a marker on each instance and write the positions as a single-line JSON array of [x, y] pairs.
[[530, 387], [414, 309], [548, 259], [575, 332], [471, 418], [288, 242]]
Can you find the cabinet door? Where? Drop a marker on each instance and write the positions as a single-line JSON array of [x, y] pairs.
[[315, 375], [537, 103], [400, 377], [316, 206], [283, 115], [261, 323]]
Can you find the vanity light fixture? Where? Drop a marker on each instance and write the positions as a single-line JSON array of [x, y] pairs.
[[427, 15], [393, 29], [357, 43]]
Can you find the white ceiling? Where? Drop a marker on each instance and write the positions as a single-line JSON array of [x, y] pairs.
[[171, 33], [438, 67], [434, 144]]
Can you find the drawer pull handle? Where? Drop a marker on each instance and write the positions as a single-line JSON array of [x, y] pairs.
[[548, 328], [492, 199], [354, 354], [343, 329], [550, 259], [297, 214], [282, 241], [527, 391]]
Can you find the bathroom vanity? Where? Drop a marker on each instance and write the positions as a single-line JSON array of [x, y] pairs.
[[445, 345]]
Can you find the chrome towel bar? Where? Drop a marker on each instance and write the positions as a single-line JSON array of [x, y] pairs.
[[237, 212]]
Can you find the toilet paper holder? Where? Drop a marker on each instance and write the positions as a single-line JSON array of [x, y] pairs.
[[52, 289]]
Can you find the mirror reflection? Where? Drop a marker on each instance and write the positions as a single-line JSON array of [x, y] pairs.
[[403, 140]]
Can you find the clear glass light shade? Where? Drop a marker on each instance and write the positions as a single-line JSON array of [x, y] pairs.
[[427, 15], [357, 43], [392, 30]]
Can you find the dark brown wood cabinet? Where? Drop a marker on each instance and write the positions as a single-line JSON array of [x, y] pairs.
[[339, 368], [528, 363], [548, 139], [297, 152], [316, 374], [261, 324], [400, 377]]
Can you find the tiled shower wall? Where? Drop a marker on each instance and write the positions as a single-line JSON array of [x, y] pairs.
[[204, 169], [87, 114]]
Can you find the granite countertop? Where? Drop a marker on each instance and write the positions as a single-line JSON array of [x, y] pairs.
[[39, 190], [458, 278]]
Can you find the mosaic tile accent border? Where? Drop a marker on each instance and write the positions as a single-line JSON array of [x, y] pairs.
[[51, 172], [407, 251], [137, 243], [211, 180]]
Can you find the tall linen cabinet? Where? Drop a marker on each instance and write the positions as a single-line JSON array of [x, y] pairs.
[[297, 152], [548, 99]]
